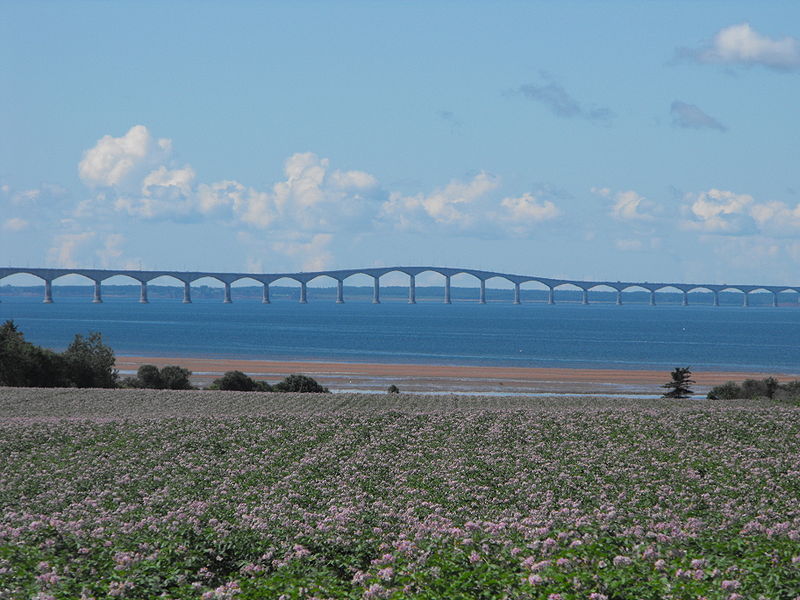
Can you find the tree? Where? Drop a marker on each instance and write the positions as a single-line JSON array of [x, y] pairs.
[[235, 381], [90, 362], [300, 383], [149, 377], [23, 364], [174, 377], [678, 387], [393, 389]]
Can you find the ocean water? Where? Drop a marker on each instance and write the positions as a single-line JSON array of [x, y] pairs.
[[502, 334]]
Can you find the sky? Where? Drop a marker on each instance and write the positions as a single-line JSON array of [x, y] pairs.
[[639, 141]]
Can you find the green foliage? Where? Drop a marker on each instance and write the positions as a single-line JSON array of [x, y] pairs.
[[300, 383], [23, 364], [149, 377], [234, 381], [753, 389], [90, 362], [393, 389], [174, 377], [727, 391], [680, 384]]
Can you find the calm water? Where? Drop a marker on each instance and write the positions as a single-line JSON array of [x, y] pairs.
[[594, 336]]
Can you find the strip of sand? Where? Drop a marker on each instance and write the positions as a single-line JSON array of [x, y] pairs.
[[444, 378]]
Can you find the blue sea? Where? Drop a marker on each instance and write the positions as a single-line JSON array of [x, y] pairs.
[[464, 333]]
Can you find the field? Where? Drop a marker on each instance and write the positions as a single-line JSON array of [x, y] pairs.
[[148, 494]]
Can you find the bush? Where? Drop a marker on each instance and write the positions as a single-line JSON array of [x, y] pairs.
[[175, 378], [727, 391], [234, 381], [300, 383], [753, 388], [393, 389], [149, 377]]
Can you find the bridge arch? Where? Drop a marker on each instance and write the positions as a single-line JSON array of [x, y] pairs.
[[570, 288]]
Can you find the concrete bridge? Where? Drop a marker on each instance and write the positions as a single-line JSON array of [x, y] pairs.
[[303, 278]]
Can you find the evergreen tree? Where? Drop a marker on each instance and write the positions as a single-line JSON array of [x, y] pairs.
[[679, 385]]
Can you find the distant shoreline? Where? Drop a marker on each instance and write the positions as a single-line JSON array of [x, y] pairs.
[[361, 376]]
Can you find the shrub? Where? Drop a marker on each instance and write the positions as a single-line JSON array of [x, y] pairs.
[[300, 383], [149, 377], [234, 381], [754, 388], [174, 377], [23, 364], [393, 389], [727, 391]]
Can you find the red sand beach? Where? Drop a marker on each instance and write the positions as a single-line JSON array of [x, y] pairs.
[[443, 378]]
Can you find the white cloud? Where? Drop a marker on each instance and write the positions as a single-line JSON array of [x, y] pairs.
[[111, 250], [314, 198], [526, 210], [15, 224], [64, 251], [628, 205], [313, 254], [451, 205], [777, 217], [114, 162], [741, 44], [719, 211]]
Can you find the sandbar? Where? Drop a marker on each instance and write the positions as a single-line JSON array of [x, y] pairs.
[[429, 378]]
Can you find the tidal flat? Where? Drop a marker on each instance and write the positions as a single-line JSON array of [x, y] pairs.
[[197, 494]]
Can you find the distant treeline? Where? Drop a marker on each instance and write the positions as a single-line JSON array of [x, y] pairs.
[[89, 363], [391, 293]]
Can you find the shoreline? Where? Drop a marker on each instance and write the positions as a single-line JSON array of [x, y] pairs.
[[421, 378]]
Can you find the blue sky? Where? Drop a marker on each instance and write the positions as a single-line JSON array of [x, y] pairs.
[[614, 140]]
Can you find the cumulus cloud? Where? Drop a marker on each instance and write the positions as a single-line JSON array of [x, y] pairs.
[[114, 161], [526, 210], [63, 252], [690, 116], [628, 205], [15, 224], [561, 103], [719, 211], [448, 206], [314, 253], [742, 45]]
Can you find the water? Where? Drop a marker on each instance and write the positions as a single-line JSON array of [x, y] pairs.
[[501, 334]]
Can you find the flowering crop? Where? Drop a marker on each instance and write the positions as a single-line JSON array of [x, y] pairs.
[[145, 494]]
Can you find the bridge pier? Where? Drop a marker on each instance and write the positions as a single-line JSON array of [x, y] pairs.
[[227, 299], [48, 291], [619, 297], [585, 296], [412, 289], [775, 299], [550, 296], [746, 301], [98, 298], [303, 292], [516, 293], [376, 290], [685, 301], [339, 291], [716, 297], [482, 297], [265, 296], [447, 289], [652, 297], [143, 293], [187, 292]]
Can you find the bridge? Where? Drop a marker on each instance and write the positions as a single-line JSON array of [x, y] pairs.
[[339, 276]]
